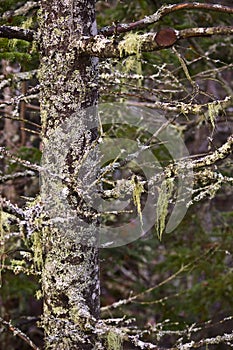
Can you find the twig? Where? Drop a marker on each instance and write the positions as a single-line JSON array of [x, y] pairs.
[[225, 338], [19, 333], [181, 106], [19, 119], [15, 159], [149, 290], [26, 173]]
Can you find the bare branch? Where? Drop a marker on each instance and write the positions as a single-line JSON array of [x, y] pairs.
[[19, 333], [22, 10], [16, 33], [163, 11], [12, 209], [29, 106], [19, 174], [225, 338], [14, 159], [108, 47], [30, 95], [182, 107], [183, 268], [147, 291]]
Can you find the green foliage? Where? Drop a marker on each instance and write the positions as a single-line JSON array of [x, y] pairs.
[[16, 50], [20, 288], [30, 153], [19, 51]]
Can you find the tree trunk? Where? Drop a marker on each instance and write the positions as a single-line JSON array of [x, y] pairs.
[[70, 273]]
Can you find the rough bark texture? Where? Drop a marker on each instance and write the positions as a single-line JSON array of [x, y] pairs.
[[70, 276]]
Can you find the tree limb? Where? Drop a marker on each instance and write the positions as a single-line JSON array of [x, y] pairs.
[[181, 106], [28, 35], [105, 47], [14, 159], [225, 338], [12, 209], [183, 268], [163, 11], [23, 10], [16, 33], [19, 174], [222, 152]]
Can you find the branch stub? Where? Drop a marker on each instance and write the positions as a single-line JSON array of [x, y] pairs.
[[166, 37]]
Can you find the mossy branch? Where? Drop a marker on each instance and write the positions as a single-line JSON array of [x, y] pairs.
[[222, 152], [101, 46]]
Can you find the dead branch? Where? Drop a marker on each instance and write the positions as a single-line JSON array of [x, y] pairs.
[[16, 33], [160, 13], [23, 10], [14, 159], [19, 174], [19, 333], [182, 107]]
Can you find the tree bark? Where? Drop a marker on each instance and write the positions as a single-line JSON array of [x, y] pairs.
[[70, 272]]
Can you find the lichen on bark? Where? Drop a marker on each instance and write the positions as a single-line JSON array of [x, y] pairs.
[[70, 275]]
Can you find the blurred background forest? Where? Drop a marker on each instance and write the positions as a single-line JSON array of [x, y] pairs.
[[185, 281]]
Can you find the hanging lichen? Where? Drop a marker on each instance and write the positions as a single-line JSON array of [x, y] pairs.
[[4, 229], [138, 189], [37, 249], [131, 45], [114, 340], [213, 111], [165, 193]]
